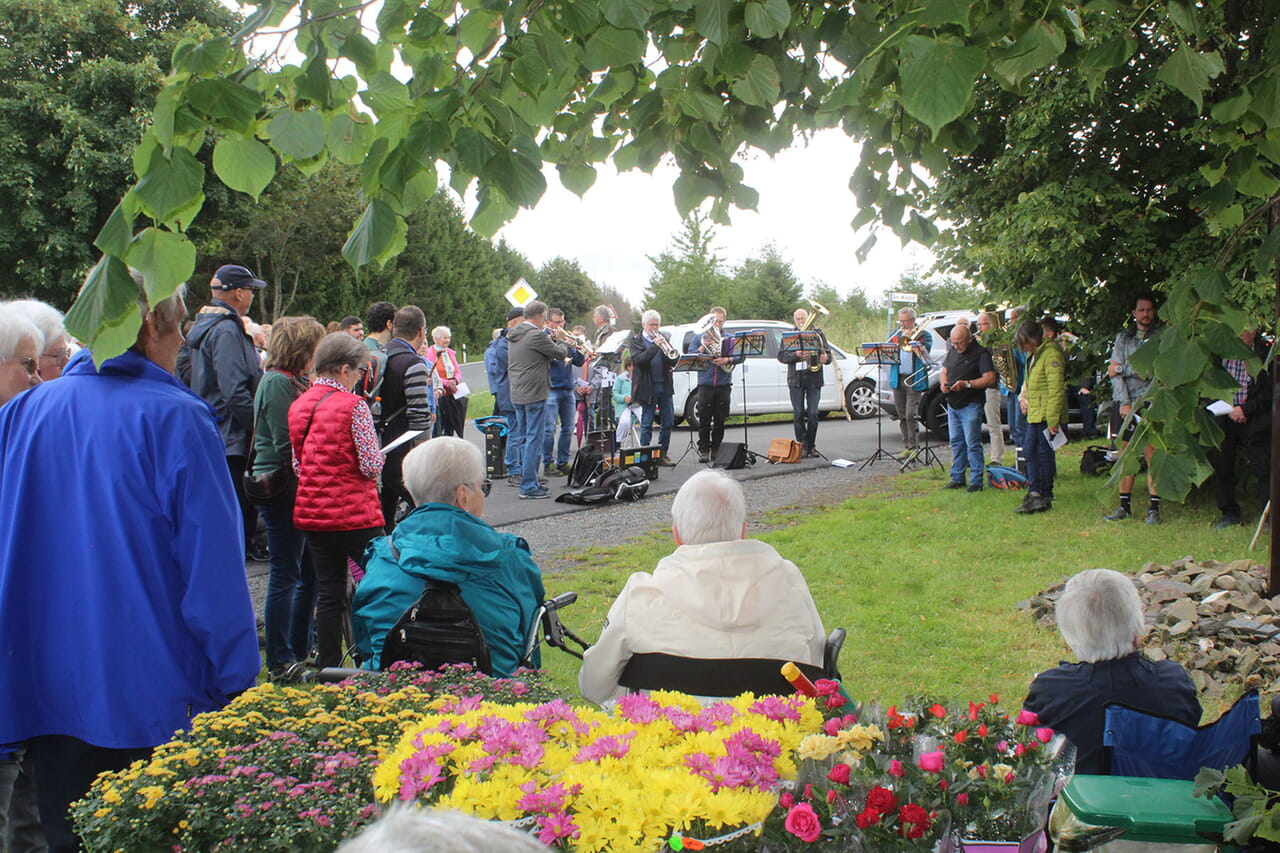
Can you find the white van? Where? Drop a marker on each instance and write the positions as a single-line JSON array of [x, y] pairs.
[[760, 382]]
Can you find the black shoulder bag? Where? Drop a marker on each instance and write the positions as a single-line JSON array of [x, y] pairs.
[[437, 629], [270, 487]]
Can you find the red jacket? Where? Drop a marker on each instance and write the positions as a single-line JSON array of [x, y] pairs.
[[332, 493]]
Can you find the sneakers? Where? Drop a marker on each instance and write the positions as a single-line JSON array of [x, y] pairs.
[[1226, 521], [954, 484], [1033, 502], [515, 479], [258, 553], [536, 494], [666, 461], [1153, 516], [1121, 514]]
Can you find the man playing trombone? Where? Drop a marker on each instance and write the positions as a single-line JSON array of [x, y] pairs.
[[910, 377], [804, 381], [652, 357], [715, 382]]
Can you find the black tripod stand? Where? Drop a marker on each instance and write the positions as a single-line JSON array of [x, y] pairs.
[[747, 344], [920, 457], [693, 363], [882, 355]]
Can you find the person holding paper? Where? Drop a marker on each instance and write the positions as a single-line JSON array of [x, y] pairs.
[[1246, 424], [446, 382], [1127, 389], [1044, 402]]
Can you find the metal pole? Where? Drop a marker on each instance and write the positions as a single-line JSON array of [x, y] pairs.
[[1274, 584]]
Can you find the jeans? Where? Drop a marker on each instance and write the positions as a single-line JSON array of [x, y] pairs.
[[964, 427], [666, 419], [907, 401], [20, 830], [562, 404], [1017, 421], [330, 550], [1042, 462], [531, 421], [511, 455], [804, 413], [65, 768], [291, 587], [713, 409]]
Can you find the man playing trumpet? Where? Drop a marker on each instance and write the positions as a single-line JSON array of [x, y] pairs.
[[715, 385], [909, 378], [652, 357], [804, 381]]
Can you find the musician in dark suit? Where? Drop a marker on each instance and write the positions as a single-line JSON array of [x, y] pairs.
[[715, 385], [804, 380], [651, 383]]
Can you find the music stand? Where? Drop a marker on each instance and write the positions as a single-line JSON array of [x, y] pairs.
[[747, 344], [923, 456], [798, 341], [692, 362], [883, 355], [609, 354]]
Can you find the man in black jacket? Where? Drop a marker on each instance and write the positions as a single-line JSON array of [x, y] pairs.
[[1247, 426], [225, 370], [406, 403], [651, 384]]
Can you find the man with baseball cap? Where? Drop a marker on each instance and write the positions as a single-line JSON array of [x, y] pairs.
[[225, 370]]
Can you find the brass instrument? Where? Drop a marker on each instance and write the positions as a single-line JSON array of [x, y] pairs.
[[577, 342], [815, 361], [668, 348], [712, 338], [906, 342]]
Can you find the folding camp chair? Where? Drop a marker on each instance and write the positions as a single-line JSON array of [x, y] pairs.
[[1140, 744]]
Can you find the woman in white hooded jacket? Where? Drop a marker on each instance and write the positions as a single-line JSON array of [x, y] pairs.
[[719, 595]]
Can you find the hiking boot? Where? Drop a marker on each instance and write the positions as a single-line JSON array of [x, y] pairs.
[[1033, 502], [954, 484], [1226, 521], [666, 461], [258, 553], [974, 487], [515, 479], [556, 471], [1119, 515], [1153, 516], [565, 468]]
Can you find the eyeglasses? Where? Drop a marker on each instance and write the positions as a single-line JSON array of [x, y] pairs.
[[30, 365], [59, 358], [485, 485]]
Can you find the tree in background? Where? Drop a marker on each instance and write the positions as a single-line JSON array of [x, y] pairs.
[[764, 287], [689, 277], [628, 315], [77, 81], [562, 283]]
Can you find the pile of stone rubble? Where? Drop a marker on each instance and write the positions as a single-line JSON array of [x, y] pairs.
[[1213, 618]]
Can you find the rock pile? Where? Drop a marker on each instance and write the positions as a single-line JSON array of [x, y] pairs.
[[1213, 618]]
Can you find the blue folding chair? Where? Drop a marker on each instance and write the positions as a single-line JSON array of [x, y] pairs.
[[1141, 744]]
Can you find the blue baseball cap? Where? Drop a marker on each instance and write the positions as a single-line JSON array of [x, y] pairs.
[[234, 277]]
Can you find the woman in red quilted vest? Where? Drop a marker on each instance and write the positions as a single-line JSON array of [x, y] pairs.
[[336, 458]]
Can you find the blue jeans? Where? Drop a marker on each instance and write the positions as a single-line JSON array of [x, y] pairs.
[[666, 419], [804, 413], [964, 427], [531, 422], [291, 588], [1017, 422], [511, 453], [561, 404], [1042, 462]]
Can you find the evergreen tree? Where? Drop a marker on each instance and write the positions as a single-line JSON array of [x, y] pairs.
[[765, 287], [688, 278]]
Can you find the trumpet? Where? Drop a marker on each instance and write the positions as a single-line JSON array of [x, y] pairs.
[[815, 361], [577, 342], [668, 348]]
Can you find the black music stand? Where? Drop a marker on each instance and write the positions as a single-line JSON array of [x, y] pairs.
[[798, 341], [747, 344], [882, 355], [921, 456], [692, 362]]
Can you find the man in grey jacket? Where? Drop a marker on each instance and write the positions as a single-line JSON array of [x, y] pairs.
[[529, 367], [1127, 389], [225, 370]]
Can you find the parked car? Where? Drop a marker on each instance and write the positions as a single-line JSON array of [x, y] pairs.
[[760, 382]]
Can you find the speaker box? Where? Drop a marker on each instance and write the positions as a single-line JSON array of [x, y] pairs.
[[732, 454]]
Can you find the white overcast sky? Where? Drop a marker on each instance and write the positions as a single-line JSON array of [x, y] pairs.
[[805, 209]]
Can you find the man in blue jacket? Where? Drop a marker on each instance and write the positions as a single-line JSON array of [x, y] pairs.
[[715, 385], [496, 358], [124, 606]]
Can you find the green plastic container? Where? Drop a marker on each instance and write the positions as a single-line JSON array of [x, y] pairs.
[[1152, 810]]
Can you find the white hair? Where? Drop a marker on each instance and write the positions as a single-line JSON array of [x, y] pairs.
[[709, 507], [46, 318], [405, 829], [1100, 615], [440, 330], [907, 309], [650, 316], [14, 329], [434, 469]]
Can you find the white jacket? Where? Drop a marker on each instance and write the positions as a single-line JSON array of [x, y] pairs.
[[737, 599]]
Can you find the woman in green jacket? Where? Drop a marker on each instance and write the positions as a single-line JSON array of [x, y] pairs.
[[1044, 401]]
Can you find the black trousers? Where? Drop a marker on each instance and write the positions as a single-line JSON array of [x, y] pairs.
[[713, 410], [1255, 440], [330, 550], [393, 485], [66, 767], [248, 512]]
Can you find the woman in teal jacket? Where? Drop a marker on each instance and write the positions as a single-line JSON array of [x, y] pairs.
[[446, 539]]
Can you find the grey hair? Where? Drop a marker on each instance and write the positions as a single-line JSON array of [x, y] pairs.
[[434, 470], [650, 316], [602, 311], [46, 318], [534, 309], [169, 312], [337, 349], [441, 330], [907, 309], [14, 329], [1100, 615], [709, 507], [405, 829]]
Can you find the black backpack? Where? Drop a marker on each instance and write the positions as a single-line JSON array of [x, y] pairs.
[[438, 629], [588, 464], [1095, 461]]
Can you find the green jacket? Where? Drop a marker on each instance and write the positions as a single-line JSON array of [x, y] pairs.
[[1046, 385]]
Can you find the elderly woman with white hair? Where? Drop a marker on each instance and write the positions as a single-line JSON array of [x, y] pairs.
[[446, 380], [20, 345], [446, 539], [56, 351], [718, 595], [1100, 616]]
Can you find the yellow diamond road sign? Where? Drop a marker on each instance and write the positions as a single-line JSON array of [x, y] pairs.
[[521, 293]]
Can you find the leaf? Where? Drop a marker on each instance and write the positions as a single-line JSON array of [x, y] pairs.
[[1225, 112], [937, 77], [315, 83], [627, 14], [243, 163], [580, 17], [760, 85], [493, 211], [611, 47], [1190, 71], [1038, 47], [299, 134], [864, 249], [1257, 182], [165, 260], [711, 18], [394, 15], [207, 57], [372, 236], [386, 95], [767, 18], [1184, 17], [1266, 101], [690, 190], [223, 100], [348, 138], [479, 30], [577, 179], [1175, 472], [117, 233], [519, 178], [105, 314], [940, 13], [170, 185], [1179, 362]]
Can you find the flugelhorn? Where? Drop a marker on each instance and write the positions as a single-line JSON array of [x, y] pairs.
[[577, 342]]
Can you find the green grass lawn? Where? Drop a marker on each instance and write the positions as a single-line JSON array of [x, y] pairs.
[[926, 580]]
